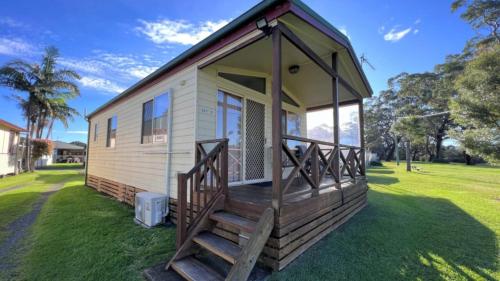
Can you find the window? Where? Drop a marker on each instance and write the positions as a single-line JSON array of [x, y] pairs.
[[286, 98], [155, 119], [290, 123], [111, 134], [12, 137], [95, 132], [255, 83]]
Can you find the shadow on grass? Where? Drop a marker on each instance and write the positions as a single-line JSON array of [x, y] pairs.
[[65, 166], [402, 237]]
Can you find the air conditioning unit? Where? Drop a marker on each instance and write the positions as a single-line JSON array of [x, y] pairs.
[[150, 208]]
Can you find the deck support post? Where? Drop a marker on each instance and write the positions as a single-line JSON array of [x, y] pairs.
[[336, 140], [276, 121], [362, 155]]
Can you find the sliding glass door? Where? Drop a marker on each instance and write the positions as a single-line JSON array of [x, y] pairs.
[[229, 125]]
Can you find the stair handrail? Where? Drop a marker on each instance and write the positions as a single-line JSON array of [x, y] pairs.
[[210, 172]]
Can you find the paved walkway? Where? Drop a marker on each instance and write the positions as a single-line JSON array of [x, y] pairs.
[[18, 229]]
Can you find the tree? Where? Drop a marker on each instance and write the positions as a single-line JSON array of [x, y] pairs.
[[42, 83], [477, 107], [481, 14]]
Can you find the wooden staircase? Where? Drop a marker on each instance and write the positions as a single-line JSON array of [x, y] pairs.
[[206, 186], [240, 258]]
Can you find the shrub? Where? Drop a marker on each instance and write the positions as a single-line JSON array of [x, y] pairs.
[[40, 148]]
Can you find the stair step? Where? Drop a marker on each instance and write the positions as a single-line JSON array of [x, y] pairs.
[[193, 270], [219, 246], [234, 221]]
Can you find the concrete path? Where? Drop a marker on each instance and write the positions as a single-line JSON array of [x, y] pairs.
[[18, 229]]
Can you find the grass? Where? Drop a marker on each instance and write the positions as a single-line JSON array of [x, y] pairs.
[[439, 223], [83, 235], [17, 202]]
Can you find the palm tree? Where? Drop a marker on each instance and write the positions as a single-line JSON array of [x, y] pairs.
[[43, 83]]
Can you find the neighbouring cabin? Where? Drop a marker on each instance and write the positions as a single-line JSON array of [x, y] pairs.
[[10, 152], [243, 131]]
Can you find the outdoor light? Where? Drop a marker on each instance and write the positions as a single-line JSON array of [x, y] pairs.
[[294, 69], [263, 25]]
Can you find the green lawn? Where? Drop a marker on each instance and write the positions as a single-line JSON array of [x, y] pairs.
[[17, 202], [439, 223]]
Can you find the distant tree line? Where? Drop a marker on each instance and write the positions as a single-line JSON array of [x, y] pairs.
[[41, 91], [460, 99]]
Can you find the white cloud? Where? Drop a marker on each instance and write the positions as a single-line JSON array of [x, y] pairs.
[[343, 29], [142, 71], [10, 22], [101, 84], [86, 65], [381, 29], [393, 35], [178, 32], [415, 31], [417, 21], [77, 132], [15, 47]]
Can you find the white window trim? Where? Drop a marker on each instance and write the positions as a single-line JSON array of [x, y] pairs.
[[169, 117]]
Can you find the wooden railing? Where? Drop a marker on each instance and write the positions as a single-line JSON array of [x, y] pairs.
[[320, 164], [203, 184]]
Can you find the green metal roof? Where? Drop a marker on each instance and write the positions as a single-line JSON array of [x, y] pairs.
[[251, 14]]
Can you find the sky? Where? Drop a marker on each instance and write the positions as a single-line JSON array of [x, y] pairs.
[[113, 44]]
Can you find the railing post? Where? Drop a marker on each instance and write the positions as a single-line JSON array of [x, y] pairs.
[[276, 121], [362, 155], [181, 209], [225, 167], [336, 141], [315, 167], [352, 163]]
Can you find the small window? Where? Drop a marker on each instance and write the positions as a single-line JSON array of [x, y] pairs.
[[155, 119], [96, 131], [255, 83], [111, 134], [286, 98], [290, 123]]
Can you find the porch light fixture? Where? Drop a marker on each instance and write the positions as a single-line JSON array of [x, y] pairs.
[[263, 25], [294, 69]]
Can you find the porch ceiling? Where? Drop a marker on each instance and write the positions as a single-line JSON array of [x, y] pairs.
[[311, 85]]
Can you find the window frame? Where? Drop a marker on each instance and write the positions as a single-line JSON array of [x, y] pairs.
[[169, 108], [96, 131], [110, 129]]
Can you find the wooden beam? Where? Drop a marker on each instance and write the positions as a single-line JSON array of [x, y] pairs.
[[232, 50], [330, 105], [336, 128], [362, 137], [276, 120], [301, 45]]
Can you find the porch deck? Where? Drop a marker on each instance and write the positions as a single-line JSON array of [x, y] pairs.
[[261, 193]]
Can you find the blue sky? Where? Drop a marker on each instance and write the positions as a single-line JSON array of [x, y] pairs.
[[113, 44]]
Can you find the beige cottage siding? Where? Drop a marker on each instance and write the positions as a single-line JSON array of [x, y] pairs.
[[7, 153], [145, 165]]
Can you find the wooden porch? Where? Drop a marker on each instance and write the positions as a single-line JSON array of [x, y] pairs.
[[316, 186]]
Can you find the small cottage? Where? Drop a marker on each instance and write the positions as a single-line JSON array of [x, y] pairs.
[[222, 130]]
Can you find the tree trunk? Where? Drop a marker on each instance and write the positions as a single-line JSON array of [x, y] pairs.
[[439, 144], [468, 159], [390, 152], [49, 129], [27, 147], [408, 156]]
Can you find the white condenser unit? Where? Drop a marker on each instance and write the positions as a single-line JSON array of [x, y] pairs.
[[150, 208]]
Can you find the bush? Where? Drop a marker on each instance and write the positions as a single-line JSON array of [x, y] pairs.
[[40, 148], [376, 164]]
